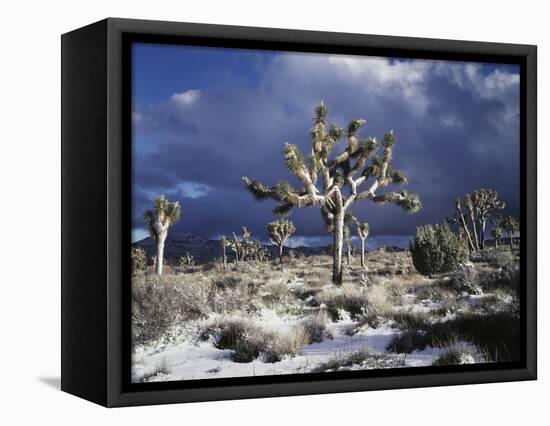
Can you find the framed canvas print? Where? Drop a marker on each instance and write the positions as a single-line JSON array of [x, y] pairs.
[[253, 212]]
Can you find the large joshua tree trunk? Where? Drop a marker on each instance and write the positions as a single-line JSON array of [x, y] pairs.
[[160, 251], [337, 248], [281, 253], [362, 253], [482, 235]]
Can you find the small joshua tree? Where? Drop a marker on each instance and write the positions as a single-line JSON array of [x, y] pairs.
[[496, 233], [187, 260], [246, 248], [158, 221], [279, 231], [510, 225], [236, 247], [139, 260], [341, 178], [363, 233], [481, 206], [347, 242], [224, 244]]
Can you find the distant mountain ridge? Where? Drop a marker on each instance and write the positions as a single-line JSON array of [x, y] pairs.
[[203, 249]]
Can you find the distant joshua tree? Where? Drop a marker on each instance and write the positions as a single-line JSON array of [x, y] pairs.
[[510, 225], [224, 242], [341, 177], [158, 221], [236, 247], [279, 232], [347, 242], [187, 260], [480, 206], [496, 233], [246, 248], [363, 233]]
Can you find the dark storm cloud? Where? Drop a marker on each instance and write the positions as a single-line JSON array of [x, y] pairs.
[[457, 126]]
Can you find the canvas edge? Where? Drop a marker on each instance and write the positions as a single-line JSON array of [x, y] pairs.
[[115, 394]]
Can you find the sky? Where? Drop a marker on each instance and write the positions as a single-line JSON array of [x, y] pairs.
[[203, 117]]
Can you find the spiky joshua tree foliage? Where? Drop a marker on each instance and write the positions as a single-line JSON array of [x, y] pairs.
[[333, 182], [279, 232], [158, 220]]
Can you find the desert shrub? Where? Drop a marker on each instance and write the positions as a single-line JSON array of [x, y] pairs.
[[139, 260], [249, 347], [496, 333], [248, 341], [506, 278], [227, 332], [494, 257], [231, 294], [408, 341], [226, 282], [436, 249], [153, 311], [459, 352], [408, 320], [370, 318], [465, 280], [365, 359], [307, 295], [316, 329], [158, 304], [340, 301], [275, 292]]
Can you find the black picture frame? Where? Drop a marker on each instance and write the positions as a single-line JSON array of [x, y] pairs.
[[96, 180]]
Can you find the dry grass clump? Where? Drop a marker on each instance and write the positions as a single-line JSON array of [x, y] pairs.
[[158, 372], [341, 301], [287, 344], [457, 352], [316, 328], [248, 341], [275, 292]]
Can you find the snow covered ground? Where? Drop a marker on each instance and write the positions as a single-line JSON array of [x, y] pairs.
[[191, 359]]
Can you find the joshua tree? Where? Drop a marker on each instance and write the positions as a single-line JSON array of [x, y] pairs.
[[480, 206], [341, 177], [496, 233], [246, 248], [347, 242], [279, 231], [158, 221], [363, 233], [486, 204], [187, 260], [236, 246], [510, 225], [224, 244]]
